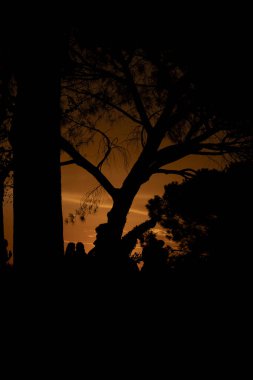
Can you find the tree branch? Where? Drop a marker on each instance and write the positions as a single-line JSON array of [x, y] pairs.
[[109, 143], [175, 152], [186, 173], [87, 165], [205, 135], [69, 162], [116, 107], [107, 102], [200, 153], [193, 130], [170, 154], [137, 99]]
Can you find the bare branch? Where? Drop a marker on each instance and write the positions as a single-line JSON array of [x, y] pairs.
[[87, 165], [220, 153], [106, 102], [89, 205], [193, 130], [109, 143], [117, 108], [186, 173], [69, 162], [206, 135], [96, 71], [171, 154], [175, 152], [137, 98]]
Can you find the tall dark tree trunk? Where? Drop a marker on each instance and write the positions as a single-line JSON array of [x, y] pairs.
[[108, 245], [38, 230], [1, 213]]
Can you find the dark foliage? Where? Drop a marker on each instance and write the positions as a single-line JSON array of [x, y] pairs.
[[209, 217]]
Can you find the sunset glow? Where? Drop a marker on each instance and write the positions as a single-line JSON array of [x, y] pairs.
[[75, 182]]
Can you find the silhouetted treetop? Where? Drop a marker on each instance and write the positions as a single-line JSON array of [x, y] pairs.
[[209, 214], [157, 94]]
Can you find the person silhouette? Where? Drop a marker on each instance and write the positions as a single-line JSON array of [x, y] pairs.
[[81, 258], [76, 258], [80, 250], [70, 250]]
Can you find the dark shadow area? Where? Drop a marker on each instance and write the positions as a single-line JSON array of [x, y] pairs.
[[208, 216]]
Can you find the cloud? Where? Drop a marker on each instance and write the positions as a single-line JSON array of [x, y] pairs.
[[132, 210], [76, 198], [159, 231], [71, 197], [135, 211], [144, 195]]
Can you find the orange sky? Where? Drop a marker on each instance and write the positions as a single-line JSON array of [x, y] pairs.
[[76, 182]]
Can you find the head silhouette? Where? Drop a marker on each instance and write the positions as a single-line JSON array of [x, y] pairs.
[[80, 248], [70, 250]]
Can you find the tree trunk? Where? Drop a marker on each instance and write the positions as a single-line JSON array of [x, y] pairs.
[[1, 215], [108, 244], [38, 230]]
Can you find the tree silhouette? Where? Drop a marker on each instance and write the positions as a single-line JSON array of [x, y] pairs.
[[157, 93], [154, 92], [154, 255], [206, 216], [35, 58]]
